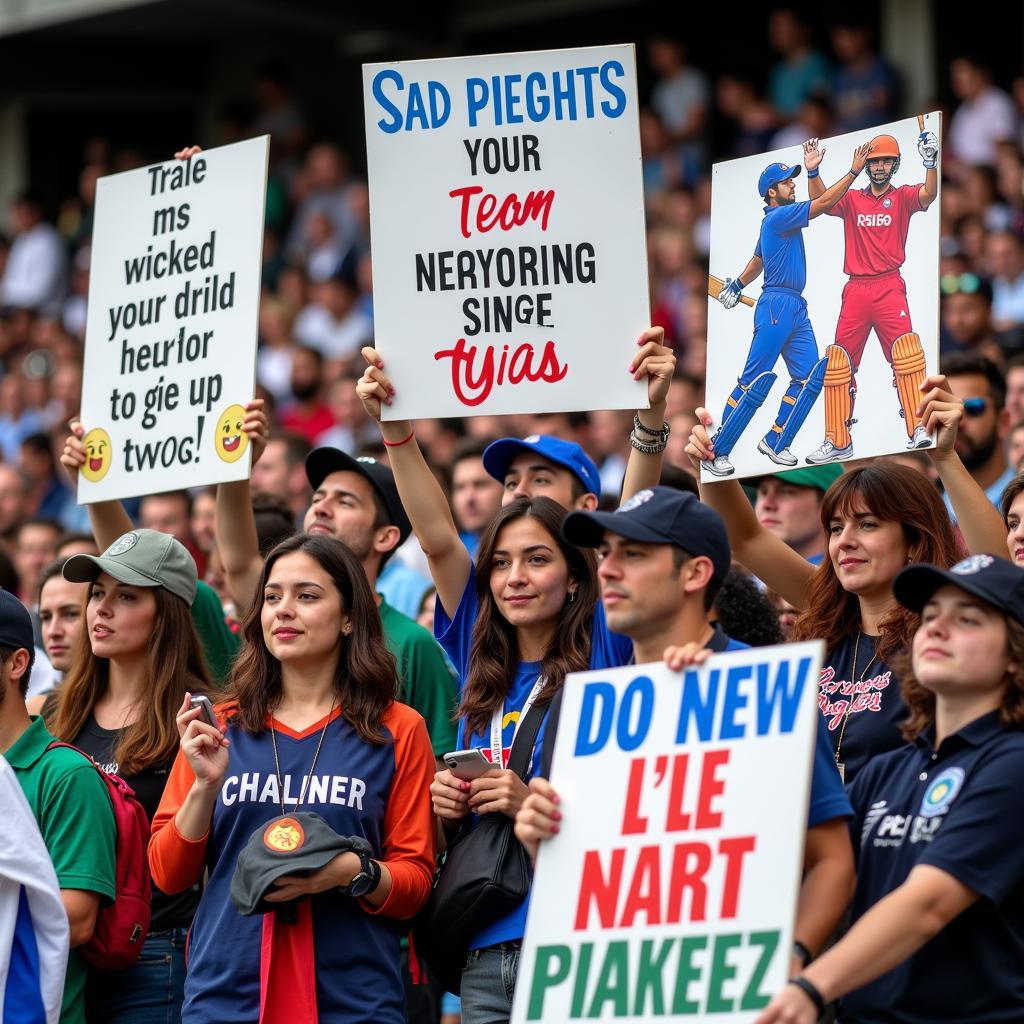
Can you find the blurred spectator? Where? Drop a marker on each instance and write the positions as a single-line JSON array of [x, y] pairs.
[[609, 446], [35, 276], [662, 166], [864, 86], [276, 348], [985, 116], [322, 187], [280, 117], [50, 496], [981, 439], [802, 71], [1015, 389], [273, 518], [307, 414], [680, 99], [753, 118], [203, 518], [967, 315], [14, 505], [281, 470], [814, 121], [476, 495], [1015, 447], [171, 512], [17, 419], [332, 323], [1004, 262], [36, 549], [73, 314]]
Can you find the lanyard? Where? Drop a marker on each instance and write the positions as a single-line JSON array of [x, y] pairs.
[[497, 747]]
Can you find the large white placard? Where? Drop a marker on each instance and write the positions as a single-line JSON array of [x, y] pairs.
[[872, 290], [670, 891], [507, 217], [170, 345]]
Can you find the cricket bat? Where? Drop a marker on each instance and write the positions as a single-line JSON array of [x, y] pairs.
[[715, 286]]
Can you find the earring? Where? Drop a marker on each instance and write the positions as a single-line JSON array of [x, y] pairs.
[[572, 596]]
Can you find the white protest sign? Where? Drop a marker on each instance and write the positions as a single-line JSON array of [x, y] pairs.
[[671, 888], [823, 357], [507, 219], [170, 343]]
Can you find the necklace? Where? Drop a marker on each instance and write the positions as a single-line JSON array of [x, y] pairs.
[[841, 765], [308, 775]]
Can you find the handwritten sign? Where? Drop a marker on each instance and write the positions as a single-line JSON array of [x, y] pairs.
[[506, 208], [170, 344], [671, 888]]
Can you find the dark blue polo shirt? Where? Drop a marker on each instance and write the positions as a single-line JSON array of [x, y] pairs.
[[959, 808]]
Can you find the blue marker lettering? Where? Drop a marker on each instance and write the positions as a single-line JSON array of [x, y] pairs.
[[598, 698], [390, 127], [780, 694], [698, 706], [734, 701], [631, 738], [607, 108]]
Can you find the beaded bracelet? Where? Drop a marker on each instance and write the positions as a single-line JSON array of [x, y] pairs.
[[642, 428]]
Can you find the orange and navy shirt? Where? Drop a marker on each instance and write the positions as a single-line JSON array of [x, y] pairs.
[[380, 793]]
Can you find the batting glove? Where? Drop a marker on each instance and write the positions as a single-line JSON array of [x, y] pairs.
[[928, 147], [730, 293]]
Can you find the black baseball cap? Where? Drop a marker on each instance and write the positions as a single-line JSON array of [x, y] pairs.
[[992, 579], [321, 462], [658, 515], [16, 626], [296, 844]]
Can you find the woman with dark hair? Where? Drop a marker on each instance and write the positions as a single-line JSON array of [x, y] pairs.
[[309, 725], [938, 911], [134, 660], [877, 519], [1012, 506]]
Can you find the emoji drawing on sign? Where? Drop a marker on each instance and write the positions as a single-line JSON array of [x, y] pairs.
[[229, 438], [98, 454]]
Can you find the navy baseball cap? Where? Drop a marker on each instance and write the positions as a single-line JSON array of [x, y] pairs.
[[773, 174], [658, 515], [16, 626], [992, 579], [498, 457], [322, 462]]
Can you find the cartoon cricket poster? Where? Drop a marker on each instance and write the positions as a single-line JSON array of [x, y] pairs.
[[823, 296]]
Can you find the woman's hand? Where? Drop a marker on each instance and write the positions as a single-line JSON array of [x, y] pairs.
[[335, 874], [498, 789], [256, 428], [538, 817], [450, 796], [188, 152], [205, 746], [698, 447], [940, 411], [72, 458], [790, 1006], [656, 362], [691, 654]]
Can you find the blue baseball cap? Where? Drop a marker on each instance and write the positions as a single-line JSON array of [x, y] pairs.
[[658, 515], [16, 627], [773, 174], [993, 579], [498, 457]]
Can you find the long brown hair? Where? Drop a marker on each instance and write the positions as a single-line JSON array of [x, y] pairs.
[[494, 650], [890, 492], [365, 679], [174, 666], [921, 702]]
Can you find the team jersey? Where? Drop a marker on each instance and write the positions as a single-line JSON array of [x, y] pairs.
[[876, 228], [379, 792], [780, 246]]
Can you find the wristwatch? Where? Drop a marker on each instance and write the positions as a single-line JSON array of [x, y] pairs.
[[365, 880]]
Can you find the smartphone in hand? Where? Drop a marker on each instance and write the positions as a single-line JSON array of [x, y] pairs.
[[467, 765], [207, 716]]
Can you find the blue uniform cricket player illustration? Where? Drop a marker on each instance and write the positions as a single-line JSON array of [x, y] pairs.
[[781, 325]]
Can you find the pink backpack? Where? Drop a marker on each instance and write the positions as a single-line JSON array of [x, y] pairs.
[[121, 926]]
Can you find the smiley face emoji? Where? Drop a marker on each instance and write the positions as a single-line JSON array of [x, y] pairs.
[[229, 438], [99, 453]]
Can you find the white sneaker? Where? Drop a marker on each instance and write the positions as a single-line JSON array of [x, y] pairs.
[[828, 452], [720, 466], [783, 458], [920, 439]]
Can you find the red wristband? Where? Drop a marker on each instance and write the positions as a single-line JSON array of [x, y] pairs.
[[398, 444]]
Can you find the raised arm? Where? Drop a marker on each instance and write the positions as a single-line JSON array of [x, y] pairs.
[[765, 555], [832, 195], [813, 155], [108, 518], [657, 363], [928, 148], [980, 522], [424, 501]]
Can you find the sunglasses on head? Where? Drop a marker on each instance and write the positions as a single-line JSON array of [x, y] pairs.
[[956, 284], [975, 407]]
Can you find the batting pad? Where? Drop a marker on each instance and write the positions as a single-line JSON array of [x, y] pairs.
[[908, 369], [838, 400]]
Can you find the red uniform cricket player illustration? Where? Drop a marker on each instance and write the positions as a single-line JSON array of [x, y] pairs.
[[876, 222]]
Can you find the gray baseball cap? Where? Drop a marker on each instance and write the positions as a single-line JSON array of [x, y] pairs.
[[140, 558]]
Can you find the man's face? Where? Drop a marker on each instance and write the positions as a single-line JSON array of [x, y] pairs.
[[790, 512], [476, 495], [1015, 448], [978, 435], [880, 169], [966, 316], [1015, 394], [641, 589], [12, 500], [532, 476], [343, 508], [36, 549], [785, 192], [60, 618], [270, 474], [167, 513]]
